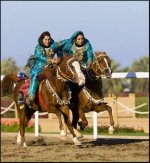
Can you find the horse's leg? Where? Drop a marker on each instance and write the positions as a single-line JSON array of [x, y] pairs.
[[75, 116], [63, 133], [103, 107], [24, 116], [75, 119], [65, 112], [84, 121], [111, 128], [21, 134]]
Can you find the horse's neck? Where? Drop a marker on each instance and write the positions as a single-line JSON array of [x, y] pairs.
[[57, 85]]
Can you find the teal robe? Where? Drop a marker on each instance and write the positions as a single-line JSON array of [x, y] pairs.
[[84, 53], [39, 64]]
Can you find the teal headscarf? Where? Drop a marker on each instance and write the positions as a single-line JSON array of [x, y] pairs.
[[70, 41]]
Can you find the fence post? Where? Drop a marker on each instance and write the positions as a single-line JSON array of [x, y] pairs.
[[116, 110], [95, 136], [36, 119]]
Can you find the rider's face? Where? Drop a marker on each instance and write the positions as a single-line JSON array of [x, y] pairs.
[[80, 40], [46, 41]]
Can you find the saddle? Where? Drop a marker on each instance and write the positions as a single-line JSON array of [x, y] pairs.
[[24, 89]]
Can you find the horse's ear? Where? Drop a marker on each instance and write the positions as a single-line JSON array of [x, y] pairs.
[[104, 52]]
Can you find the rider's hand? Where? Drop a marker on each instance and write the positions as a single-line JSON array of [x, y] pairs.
[[87, 68], [56, 60], [49, 60], [51, 53]]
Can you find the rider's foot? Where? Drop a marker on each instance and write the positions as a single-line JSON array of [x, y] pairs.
[[30, 100]]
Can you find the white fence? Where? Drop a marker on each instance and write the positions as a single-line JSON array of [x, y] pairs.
[[95, 115], [120, 75]]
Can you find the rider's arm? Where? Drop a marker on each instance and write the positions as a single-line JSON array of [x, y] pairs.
[[58, 46], [90, 55]]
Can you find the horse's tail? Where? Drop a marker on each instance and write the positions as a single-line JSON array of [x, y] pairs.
[[8, 83]]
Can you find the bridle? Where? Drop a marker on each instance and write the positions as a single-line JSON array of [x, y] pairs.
[[63, 76], [98, 67]]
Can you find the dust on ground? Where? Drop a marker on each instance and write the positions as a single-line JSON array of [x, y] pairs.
[[52, 149]]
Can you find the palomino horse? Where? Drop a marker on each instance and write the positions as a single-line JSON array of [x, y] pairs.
[[90, 97], [53, 96]]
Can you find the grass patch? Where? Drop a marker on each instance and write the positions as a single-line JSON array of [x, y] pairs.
[[13, 126], [123, 130], [139, 101], [103, 130]]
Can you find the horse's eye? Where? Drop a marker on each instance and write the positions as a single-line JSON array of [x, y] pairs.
[[99, 60]]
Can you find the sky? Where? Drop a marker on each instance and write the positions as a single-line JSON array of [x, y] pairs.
[[120, 28]]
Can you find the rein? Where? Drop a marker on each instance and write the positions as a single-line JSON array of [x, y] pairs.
[[61, 75]]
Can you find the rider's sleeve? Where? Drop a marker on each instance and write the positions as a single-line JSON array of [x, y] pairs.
[[90, 54], [58, 46], [39, 54]]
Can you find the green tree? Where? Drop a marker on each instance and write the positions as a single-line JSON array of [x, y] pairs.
[[9, 66], [140, 85], [112, 86]]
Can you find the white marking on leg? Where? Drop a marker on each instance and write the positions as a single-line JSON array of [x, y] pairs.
[[76, 141], [111, 130], [78, 134], [24, 144], [63, 134], [18, 138]]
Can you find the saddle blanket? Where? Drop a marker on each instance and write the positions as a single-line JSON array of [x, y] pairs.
[[25, 88]]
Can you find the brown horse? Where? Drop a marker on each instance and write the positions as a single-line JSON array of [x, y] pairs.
[[90, 97], [53, 96]]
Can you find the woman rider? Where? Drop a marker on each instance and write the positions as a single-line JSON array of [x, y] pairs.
[[42, 57], [81, 48], [77, 45]]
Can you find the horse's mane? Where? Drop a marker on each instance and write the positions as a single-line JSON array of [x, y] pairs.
[[7, 84]]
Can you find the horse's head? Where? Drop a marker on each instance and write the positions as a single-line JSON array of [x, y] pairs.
[[101, 64], [69, 69]]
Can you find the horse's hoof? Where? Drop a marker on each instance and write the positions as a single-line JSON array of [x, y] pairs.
[[82, 126], [111, 130], [63, 133], [24, 144], [76, 141], [63, 137]]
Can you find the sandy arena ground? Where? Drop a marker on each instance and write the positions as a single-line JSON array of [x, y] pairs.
[[47, 148]]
